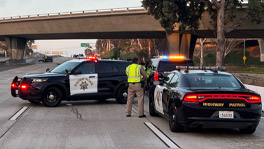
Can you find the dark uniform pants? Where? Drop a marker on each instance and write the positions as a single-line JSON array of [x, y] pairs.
[[135, 89]]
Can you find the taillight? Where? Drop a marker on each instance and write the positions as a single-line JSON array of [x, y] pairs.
[[191, 98], [156, 76], [204, 97], [13, 85], [254, 99], [24, 87]]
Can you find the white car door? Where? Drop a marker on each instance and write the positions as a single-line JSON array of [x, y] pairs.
[[84, 82], [158, 98]]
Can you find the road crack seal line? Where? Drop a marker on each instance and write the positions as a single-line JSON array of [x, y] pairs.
[[158, 132], [76, 112], [28, 108], [161, 135]]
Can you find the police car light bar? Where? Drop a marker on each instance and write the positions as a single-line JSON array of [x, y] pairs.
[[91, 57], [215, 69], [172, 57]]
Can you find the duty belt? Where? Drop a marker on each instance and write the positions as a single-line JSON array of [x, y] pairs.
[[133, 83]]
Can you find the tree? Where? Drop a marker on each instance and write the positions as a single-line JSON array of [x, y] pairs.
[[230, 44], [202, 40], [188, 13], [3, 47], [116, 53]]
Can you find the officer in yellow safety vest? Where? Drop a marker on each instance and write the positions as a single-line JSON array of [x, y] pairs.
[[136, 74], [148, 67]]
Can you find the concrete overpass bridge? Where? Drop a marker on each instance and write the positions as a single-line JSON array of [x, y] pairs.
[[110, 24]]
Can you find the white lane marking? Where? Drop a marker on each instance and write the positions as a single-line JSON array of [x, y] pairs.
[[18, 114], [262, 117], [161, 136]]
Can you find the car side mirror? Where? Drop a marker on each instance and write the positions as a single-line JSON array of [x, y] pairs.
[[47, 70], [66, 71], [77, 72]]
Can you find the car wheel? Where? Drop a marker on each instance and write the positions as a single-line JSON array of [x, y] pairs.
[[247, 130], [52, 97], [34, 102], [122, 95], [152, 111], [173, 120]]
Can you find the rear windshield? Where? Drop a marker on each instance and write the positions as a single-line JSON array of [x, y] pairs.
[[170, 65], [67, 65], [212, 80]]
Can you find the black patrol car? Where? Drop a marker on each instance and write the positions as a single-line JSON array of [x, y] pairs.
[[77, 79], [164, 65], [205, 98]]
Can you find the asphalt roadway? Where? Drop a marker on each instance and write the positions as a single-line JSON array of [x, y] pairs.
[[92, 124]]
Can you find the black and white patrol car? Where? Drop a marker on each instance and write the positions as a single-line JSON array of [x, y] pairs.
[[164, 65], [206, 98], [78, 79]]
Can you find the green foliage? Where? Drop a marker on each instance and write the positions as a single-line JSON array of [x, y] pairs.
[[234, 58], [255, 9], [188, 12], [107, 54], [142, 54], [116, 53], [169, 12]]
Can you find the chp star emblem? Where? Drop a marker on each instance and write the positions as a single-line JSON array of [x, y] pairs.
[[84, 86]]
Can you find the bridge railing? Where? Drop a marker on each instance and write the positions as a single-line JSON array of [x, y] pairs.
[[95, 11]]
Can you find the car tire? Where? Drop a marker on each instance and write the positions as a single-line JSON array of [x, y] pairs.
[[34, 102], [52, 97], [173, 120], [121, 96], [247, 130], [152, 111]]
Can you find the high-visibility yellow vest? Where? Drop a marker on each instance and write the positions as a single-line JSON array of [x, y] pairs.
[[133, 73], [148, 71]]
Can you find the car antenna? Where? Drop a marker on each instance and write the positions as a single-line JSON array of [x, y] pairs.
[[187, 70]]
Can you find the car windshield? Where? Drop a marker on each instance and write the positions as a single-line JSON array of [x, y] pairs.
[[67, 65], [212, 80], [171, 65]]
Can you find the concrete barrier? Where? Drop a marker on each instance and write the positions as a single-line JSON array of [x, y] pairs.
[[259, 90], [3, 59]]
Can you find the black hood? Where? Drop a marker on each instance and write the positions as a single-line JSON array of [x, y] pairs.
[[43, 75]]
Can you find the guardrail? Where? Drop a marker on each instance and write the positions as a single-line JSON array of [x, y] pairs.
[[109, 10]]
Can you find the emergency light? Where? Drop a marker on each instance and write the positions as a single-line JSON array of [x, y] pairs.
[[91, 57], [172, 57]]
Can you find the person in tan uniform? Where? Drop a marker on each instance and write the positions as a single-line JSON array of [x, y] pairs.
[[136, 74]]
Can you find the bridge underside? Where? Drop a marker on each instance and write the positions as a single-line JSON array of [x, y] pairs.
[[179, 43], [133, 35]]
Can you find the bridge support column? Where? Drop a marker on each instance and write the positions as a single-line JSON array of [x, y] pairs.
[[16, 47], [182, 44], [261, 47]]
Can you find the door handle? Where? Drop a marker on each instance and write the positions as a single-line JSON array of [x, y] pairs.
[[91, 76]]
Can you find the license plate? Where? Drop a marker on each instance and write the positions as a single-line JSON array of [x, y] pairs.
[[226, 114]]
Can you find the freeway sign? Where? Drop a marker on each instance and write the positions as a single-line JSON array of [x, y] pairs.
[[85, 45]]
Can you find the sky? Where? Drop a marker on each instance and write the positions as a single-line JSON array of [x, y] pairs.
[[9, 8]]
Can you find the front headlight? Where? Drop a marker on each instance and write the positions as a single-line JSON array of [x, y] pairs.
[[39, 80]]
